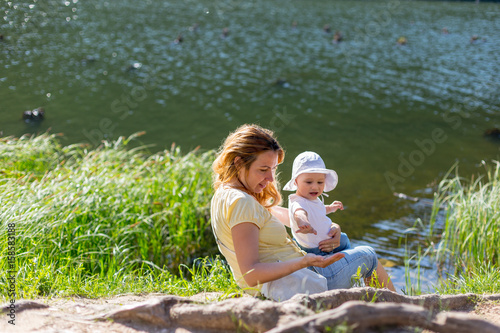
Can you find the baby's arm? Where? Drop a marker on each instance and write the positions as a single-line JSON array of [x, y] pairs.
[[334, 206], [300, 216]]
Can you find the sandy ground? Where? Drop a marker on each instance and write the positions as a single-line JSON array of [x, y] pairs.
[[79, 314]]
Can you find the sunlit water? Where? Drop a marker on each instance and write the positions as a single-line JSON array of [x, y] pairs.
[[387, 117]]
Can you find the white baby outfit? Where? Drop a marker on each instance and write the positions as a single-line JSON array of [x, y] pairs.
[[316, 213]]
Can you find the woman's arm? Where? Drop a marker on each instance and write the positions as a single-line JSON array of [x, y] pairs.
[[281, 214], [246, 246]]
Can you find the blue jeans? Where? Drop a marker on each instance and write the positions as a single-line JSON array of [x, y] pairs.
[[339, 274], [345, 244]]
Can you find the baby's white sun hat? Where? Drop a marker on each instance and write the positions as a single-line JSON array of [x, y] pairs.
[[310, 162]]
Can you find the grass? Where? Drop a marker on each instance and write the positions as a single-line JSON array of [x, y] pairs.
[[478, 280], [109, 220], [465, 238]]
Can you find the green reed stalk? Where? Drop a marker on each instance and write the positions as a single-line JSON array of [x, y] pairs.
[[412, 284]]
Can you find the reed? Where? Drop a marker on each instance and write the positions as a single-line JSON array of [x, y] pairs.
[[469, 229], [412, 284], [107, 216]]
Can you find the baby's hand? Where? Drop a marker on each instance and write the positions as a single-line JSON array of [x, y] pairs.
[[306, 228], [334, 206]]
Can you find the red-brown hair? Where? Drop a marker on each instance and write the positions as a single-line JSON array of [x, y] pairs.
[[247, 142]]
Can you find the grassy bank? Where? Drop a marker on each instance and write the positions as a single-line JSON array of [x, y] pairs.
[[465, 237], [117, 219], [108, 220]]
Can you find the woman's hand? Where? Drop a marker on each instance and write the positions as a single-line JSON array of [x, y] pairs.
[[321, 261], [329, 244]]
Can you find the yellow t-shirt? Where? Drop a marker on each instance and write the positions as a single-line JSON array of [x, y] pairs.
[[230, 207]]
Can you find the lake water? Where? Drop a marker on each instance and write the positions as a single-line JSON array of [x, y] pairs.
[[387, 117]]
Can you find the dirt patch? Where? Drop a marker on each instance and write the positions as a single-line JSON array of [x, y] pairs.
[[489, 311]]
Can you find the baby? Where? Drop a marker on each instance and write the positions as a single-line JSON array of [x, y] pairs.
[[309, 222]]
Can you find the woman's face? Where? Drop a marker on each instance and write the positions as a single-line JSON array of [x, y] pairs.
[[261, 172]]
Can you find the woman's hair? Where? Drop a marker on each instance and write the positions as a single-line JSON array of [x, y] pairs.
[[247, 142]]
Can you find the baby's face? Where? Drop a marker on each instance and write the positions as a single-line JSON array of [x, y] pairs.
[[310, 185]]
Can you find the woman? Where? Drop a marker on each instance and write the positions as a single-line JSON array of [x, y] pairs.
[[249, 225]]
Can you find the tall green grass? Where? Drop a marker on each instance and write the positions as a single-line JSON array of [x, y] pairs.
[[468, 234], [106, 216]]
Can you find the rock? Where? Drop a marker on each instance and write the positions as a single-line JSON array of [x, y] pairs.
[[492, 133], [227, 315], [301, 312], [402, 40], [23, 305], [134, 66], [34, 115], [358, 309], [337, 37]]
